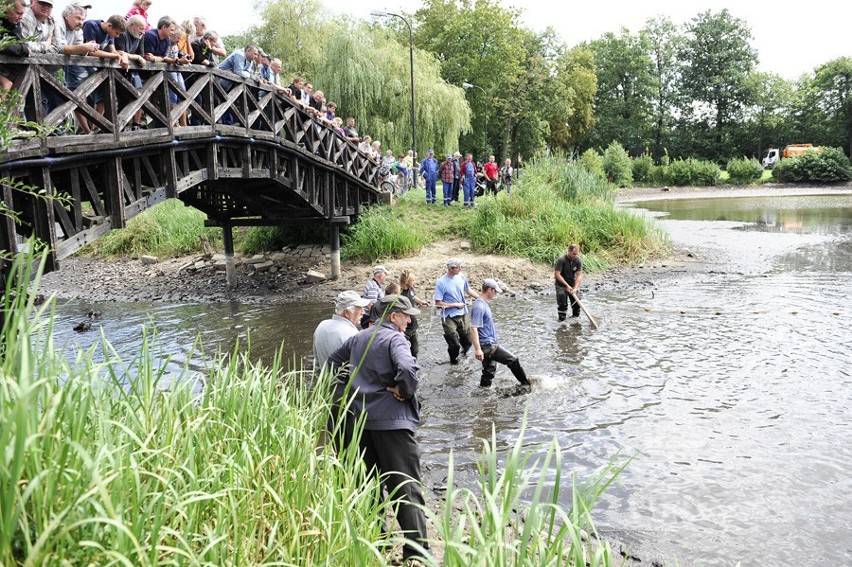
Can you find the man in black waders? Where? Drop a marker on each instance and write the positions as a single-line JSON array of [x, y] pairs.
[[568, 273], [483, 335]]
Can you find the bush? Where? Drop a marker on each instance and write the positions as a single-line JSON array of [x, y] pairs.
[[743, 171], [643, 168], [691, 172], [592, 162], [617, 166], [828, 166]]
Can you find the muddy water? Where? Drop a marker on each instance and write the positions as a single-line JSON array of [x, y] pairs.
[[731, 389]]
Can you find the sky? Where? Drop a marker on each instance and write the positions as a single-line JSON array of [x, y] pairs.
[[791, 38]]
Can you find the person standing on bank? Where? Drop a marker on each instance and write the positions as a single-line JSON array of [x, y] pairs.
[[429, 172], [374, 291], [568, 275], [483, 335], [450, 290], [383, 388], [406, 285]]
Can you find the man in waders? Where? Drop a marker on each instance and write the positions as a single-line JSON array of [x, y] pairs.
[[450, 291], [483, 335], [568, 273]]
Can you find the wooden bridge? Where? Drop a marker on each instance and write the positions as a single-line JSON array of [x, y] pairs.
[[272, 164]]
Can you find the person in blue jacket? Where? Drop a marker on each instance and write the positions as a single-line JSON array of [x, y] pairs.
[[468, 174], [429, 172]]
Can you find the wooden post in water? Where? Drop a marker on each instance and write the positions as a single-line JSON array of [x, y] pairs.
[[335, 251], [230, 265]]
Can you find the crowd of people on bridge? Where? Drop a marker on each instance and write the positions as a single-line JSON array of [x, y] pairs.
[[132, 40]]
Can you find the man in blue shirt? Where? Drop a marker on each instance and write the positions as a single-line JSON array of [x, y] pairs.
[[157, 42], [382, 388], [239, 63], [450, 290], [429, 172], [483, 335]]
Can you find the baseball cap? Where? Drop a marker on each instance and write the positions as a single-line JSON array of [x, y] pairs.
[[431, 152], [349, 298], [453, 263], [488, 282], [449, 156], [379, 268], [397, 303], [46, 2]]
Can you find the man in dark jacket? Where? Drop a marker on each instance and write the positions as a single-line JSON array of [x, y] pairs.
[[382, 388], [10, 27]]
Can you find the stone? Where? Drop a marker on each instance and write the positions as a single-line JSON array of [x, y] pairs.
[[149, 260], [220, 265], [256, 259], [199, 265], [465, 245], [314, 277], [262, 266], [217, 257]]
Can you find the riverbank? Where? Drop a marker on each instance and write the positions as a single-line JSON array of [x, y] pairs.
[[280, 277]]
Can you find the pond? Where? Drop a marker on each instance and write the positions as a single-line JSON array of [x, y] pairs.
[[729, 387]]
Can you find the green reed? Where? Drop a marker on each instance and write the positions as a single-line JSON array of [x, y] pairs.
[[112, 461]]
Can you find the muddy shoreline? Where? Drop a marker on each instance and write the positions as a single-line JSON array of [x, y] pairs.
[[195, 279]]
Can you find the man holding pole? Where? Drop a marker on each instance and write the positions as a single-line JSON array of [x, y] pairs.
[[568, 273]]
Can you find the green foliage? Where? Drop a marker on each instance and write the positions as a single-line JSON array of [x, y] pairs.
[[828, 166], [265, 238], [557, 202], [691, 172], [743, 171], [167, 229], [382, 233], [643, 168], [617, 165], [592, 161]]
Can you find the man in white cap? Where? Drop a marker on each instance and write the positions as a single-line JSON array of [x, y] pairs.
[[332, 333], [483, 335], [450, 290], [382, 389], [374, 290]]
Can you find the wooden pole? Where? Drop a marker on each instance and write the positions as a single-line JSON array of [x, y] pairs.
[[583, 308]]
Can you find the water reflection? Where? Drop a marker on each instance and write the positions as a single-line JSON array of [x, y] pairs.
[[731, 388]]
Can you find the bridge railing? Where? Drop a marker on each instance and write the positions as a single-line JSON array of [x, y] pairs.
[[246, 109]]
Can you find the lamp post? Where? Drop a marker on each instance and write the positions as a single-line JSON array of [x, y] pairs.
[[485, 95], [384, 14]]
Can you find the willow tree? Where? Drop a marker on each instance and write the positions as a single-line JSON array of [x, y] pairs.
[[364, 68]]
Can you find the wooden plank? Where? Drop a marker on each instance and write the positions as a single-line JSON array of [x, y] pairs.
[[71, 245]]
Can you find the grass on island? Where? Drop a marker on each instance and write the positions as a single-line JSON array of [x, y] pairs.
[[554, 203], [117, 462]]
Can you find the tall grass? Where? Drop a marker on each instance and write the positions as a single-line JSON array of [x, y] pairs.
[[116, 462], [168, 229], [558, 202]]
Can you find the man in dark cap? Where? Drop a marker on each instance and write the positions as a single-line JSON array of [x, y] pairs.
[[382, 387], [448, 173]]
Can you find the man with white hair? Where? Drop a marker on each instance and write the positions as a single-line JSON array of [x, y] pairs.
[[332, 333], [218, 48]]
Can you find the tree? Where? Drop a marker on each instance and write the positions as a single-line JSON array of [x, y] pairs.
[[577, 83], [768, 116], [365, 69], [479, 43], [717, 58], [831, 96], [625, 88], [661, 40]]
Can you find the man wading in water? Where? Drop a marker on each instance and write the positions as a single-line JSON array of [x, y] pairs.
[[568, 273]]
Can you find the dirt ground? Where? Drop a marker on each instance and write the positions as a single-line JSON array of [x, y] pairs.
[[174, 280]]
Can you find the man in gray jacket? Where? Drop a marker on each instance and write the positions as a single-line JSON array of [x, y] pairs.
[[381, 380]]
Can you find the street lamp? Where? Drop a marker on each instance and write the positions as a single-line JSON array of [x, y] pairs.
[[485, 95], [383, 14]]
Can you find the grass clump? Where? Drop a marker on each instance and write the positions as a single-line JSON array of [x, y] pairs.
[[558, 202], [168, 229]]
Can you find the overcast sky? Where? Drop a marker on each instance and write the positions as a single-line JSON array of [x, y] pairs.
[[791, 38]]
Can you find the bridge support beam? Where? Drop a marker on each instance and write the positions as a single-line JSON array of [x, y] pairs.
[[230, 264], [335, 251]]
